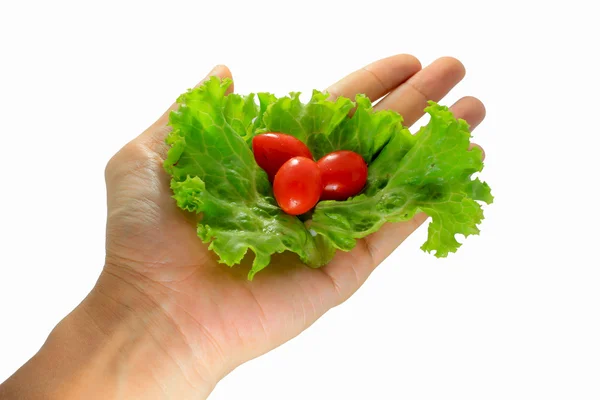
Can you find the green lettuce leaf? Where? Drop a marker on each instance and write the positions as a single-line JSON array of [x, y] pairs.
[[318, 116], [214, 173], [365, 133], [429, 172]]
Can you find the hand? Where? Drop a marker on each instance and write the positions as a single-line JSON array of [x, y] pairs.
[[203, 317], [153, 244]]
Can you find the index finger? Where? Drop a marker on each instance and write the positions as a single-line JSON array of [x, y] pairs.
[[376, 79]]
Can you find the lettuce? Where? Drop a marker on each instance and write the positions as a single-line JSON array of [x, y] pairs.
[[214, 173]]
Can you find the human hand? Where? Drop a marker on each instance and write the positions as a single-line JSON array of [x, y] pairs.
[[224, 319], [165, 319]]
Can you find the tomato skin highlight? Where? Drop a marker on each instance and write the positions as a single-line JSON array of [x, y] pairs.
[[343, 174], [297, 185], [272, 150]]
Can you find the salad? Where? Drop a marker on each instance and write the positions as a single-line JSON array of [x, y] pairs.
[[278, 175]]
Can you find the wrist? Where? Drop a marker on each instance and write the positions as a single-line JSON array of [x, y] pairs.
[[119, 343]]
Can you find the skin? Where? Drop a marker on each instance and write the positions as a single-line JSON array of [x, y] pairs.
[[165, 319]]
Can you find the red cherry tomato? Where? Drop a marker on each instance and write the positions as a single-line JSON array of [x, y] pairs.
[[271, 150], [297, 185], [343, 174]]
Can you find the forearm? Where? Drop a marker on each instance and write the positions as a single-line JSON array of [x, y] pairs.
[[109, 348]]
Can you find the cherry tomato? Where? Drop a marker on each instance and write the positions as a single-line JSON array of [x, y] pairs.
[[343, 174], [297, 185], [271, 150]]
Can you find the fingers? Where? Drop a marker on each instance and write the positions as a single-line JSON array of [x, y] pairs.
[[377, 79], [391, 235], [480, 148], [431, 83], [471, 109]]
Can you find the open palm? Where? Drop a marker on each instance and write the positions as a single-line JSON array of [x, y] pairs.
[[223, 319]]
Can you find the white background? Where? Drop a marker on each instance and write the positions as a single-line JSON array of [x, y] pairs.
[[513, 315]]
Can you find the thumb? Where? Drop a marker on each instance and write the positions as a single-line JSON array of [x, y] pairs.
[[155, 135], [220, 71]]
